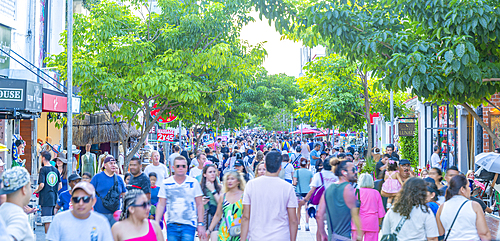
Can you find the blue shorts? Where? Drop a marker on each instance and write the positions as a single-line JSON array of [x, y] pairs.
[[180, 232]]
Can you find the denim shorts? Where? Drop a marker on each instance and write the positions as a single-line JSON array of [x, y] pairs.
[[180, 232]]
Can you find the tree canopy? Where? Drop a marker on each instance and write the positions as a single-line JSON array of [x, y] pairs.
[[267, 97], [187, 58], [441, 50]]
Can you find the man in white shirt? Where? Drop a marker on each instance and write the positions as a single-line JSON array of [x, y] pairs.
[[16, 185], [435, 160], [198, 170], [171, 158], [185, 210], [80, 223], [262, 219], [157, 167]]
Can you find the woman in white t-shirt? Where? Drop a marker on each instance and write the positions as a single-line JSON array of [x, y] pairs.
[[470, 223], [287, 168], [415, 219]]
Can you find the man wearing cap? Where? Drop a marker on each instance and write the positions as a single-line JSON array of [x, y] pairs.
[[49, 182], [80, 223], [16, 185], [405, 170], [211, 157], [109, 187], [248, 160], [64, 199]]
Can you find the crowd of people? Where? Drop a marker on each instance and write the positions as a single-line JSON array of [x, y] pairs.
[[252, 187]]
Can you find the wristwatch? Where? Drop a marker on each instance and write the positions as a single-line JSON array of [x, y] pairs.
[[201, 224]]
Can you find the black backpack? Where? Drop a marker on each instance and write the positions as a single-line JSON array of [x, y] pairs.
[[250, 160], [112, 199]]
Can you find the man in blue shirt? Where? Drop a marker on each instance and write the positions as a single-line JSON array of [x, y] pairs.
[[104, 182], [315, 156], [64, 199]]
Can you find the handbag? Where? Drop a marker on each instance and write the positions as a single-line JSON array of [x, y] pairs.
[[394, 236], [316, 196], [455, 219]]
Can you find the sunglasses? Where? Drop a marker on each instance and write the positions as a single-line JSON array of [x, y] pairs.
[[86, 199], [179, 166], [143, 205]]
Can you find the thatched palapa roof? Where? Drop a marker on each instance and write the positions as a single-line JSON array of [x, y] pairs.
[[97, 128]]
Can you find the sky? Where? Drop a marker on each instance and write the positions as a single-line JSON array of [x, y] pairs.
[[283, 55]]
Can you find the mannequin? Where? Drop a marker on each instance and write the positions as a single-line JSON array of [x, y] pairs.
[[101, 160], [121, 158], [89, 161]]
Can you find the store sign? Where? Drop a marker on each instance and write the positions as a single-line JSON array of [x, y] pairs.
[[165, 135], [11, 94], [55, 103], [21, 95], [406, 129]]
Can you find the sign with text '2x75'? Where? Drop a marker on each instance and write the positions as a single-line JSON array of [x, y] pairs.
[[165, 135]]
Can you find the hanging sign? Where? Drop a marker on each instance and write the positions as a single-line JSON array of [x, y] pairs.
[[165, 135], [162, 119], [406, 129]]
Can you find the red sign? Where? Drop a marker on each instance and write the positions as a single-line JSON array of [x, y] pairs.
[[162, 119], [165, 135], [54, 103]]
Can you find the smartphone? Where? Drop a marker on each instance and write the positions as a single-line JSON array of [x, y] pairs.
[[206, 197]]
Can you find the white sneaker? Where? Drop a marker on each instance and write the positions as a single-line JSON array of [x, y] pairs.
[[307, 227]]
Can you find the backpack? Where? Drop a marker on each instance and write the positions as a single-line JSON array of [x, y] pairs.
[[296, 161], [250, 160], [282, 172], [112, 199]]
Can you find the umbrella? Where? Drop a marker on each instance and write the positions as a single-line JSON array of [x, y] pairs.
[[305, 131], [489, 161], [324, 133]]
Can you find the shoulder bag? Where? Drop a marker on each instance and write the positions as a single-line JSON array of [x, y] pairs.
[[112, 199], [455, 219], [316, 196], [394, 236]]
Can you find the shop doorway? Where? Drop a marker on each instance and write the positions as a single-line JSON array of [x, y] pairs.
[[440, 122]]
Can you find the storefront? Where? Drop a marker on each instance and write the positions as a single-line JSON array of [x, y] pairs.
[[20, 106], [445, 126]]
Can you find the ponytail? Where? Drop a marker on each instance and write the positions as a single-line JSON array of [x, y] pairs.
[[456, 183]]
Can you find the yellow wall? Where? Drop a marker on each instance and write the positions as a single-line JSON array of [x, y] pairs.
[[54, 133]]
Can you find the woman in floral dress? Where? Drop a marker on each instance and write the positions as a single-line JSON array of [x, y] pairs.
[[229, 208]]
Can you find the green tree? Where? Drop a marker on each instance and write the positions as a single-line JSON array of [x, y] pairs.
[[268, 97], [441, 50], [187, 59], [342, 96], [334, 91]]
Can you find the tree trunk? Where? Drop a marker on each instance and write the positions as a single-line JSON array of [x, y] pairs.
[[198, 139], [367, 115], [481, 122]]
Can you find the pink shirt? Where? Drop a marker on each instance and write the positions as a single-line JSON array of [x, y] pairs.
[[269, 198], [371, 209]]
